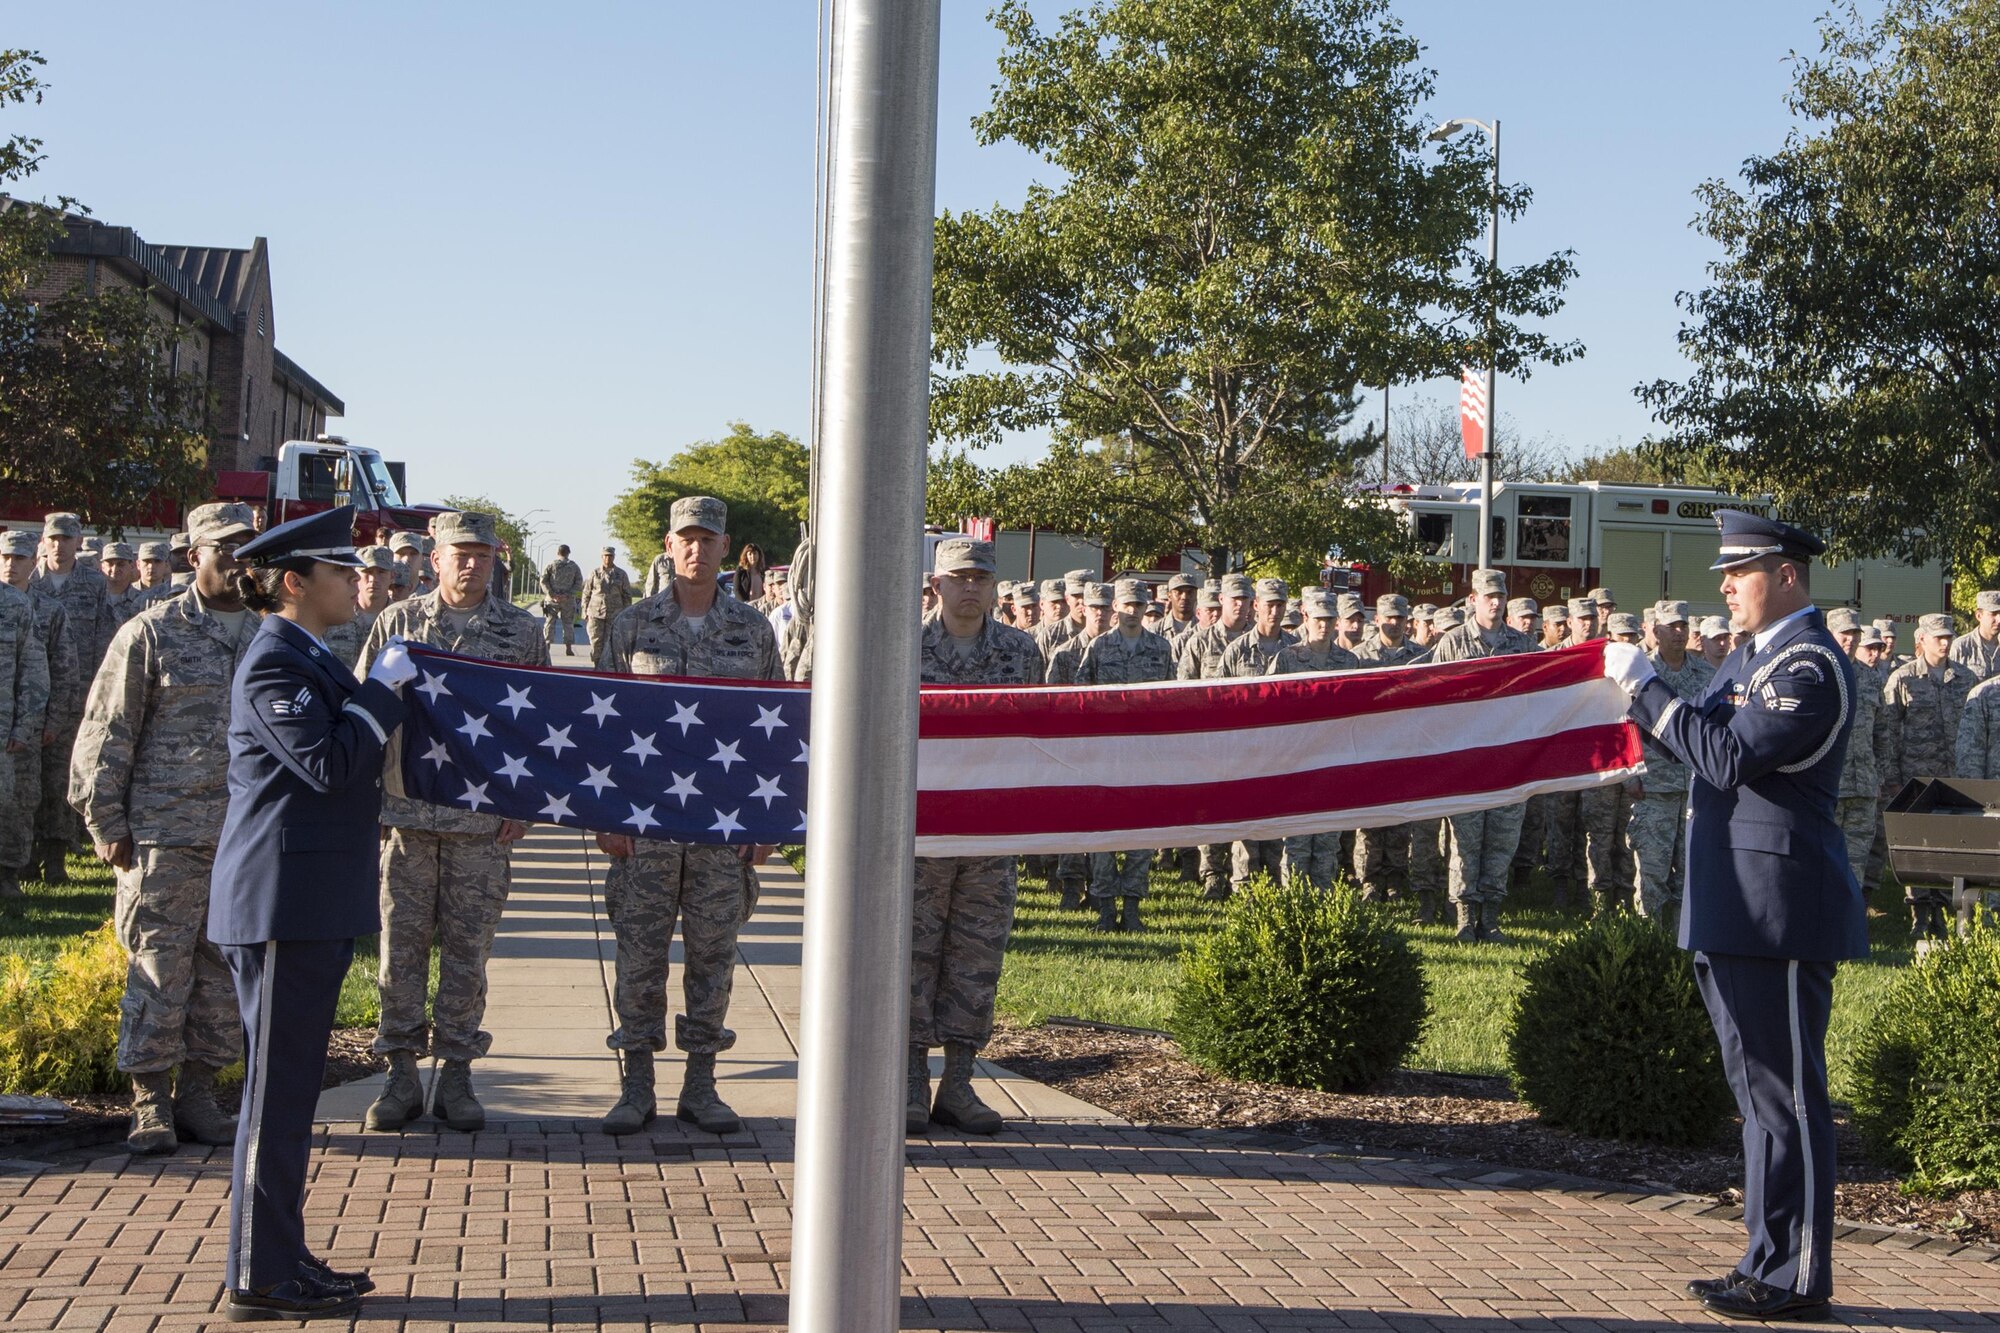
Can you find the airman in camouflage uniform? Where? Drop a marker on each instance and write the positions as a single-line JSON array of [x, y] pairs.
[[150, 776], [373, 593], [562, 584], [24, 702], [1924, 701], [445, 872], [1179, 620], [964, 907], [88, 623], [1858, 801], [156, 570], [1604, 812], [651, 884], [1312, 857], [1659, 807], [123, 597], [658, 575], [1126, 654], [606, 592], [1090, 606], [1253, 654], [1978, 649], [1201, 659], [62, 702], [1483, 841]]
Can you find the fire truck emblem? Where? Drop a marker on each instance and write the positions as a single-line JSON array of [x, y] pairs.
[[1543, 588]]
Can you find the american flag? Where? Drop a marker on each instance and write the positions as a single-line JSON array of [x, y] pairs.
[[1472, 411], [1015, 770]]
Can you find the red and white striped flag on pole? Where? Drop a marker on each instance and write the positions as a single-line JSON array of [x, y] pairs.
[[1472, 411], [1105, 768]]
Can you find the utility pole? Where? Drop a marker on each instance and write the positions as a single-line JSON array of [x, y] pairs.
[[868, 519]]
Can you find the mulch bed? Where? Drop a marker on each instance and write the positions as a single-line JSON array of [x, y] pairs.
[[1146, 1080], [96, 1119]]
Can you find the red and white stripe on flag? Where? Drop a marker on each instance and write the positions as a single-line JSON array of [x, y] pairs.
[[1472, 411], [1112, 767]]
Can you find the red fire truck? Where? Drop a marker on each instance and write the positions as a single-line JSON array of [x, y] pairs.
[[1643, 543]]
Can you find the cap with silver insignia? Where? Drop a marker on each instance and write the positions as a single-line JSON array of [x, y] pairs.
[[1747, 537], [466, 527], [327, 538]]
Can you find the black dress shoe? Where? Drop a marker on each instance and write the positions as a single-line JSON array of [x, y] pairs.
[[1704, 1287], [1751, 1299], [318, 1268], [302, 1298]]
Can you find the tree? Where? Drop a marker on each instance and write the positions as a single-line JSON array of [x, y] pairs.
[[1844, 350], [93, 415], [764, 479], [1249, 225], [1426, 448]]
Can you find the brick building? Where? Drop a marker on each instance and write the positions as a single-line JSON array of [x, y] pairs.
[[222, 297]]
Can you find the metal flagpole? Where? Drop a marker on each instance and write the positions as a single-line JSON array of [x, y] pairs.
[[868, 524], [1487, 455]]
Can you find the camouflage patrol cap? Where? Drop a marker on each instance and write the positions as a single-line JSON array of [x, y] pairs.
[[1132, 590], [465, 527], [1317, 603], [1602, 596], [1583, 608], [209, 524], [1987, 601], [1843, 620], [1272, 590], [1670, 613], [1052, 590], [1424, 613], [19, 541], [1489, 582], [612, 550], [1292, 618], [698, 511], [1648, 615], [1207, 599], [177, 542], [1347, 605], [1621, 623], [62, 525], [1522, 606], [1870, 637], [1934, 624], [1213, 585], [155, 551], [1238, 585], [406, 541], [1447, 618], [1391, 604], [1555, 614], [118, 551], [961, 555], [1099, 594], [1182, 583], [1714, 627], [376, 557], [89, 548], [1076, 581]]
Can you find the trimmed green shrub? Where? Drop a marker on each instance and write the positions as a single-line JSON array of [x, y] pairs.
[[1609, 1037], [59, 1019], [1302, 988], [1926, 1084]]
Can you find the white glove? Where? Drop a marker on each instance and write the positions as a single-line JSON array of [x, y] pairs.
[[1627, 664], [394, 667]]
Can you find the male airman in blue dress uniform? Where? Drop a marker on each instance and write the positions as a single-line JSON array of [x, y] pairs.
[[1772, 906], [295, 884]]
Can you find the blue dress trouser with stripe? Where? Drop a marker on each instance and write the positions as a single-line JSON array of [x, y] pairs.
[[288, 991], [1770, 1015]]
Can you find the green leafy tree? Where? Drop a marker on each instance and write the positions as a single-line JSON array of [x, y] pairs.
[[1844, 352], [92, 414], [764, 479], [1249, 225]]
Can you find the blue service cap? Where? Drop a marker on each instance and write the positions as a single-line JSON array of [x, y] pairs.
[[327, 538], [1747, 537]]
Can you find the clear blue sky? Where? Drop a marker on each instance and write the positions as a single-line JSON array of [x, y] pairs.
[[528, 243]]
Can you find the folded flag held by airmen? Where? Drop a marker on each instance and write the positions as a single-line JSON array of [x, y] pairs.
[[1006, 770]]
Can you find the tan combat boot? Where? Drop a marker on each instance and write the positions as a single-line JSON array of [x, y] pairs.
[[453, 1101], [197, 1115], [917, 1097], [402, 1098], [699, 1104], [1468, 921], [957, 1104], [636, 1108], [152, 1114]]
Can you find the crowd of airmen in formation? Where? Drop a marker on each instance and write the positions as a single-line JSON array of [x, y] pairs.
[[115, 672]]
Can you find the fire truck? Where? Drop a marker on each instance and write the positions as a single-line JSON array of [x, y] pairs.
[[1644, 543]]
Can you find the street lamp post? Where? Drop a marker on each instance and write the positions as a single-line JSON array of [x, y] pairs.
[[1438, 135]]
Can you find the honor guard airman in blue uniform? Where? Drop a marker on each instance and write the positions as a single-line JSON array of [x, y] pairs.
[[295, 883], [1772, 906]]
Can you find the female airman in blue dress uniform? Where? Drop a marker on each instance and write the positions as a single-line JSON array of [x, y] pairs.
[[295, 884]]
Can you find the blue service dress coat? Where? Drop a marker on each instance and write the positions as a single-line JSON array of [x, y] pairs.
[[294, 884]]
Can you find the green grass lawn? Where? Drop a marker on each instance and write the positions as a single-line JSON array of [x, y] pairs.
[[1056, 965], [38, 925]]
